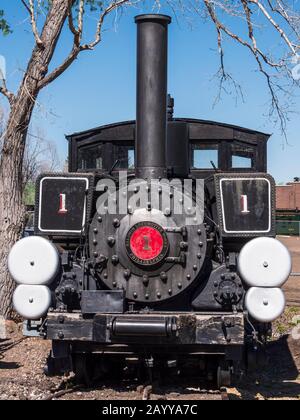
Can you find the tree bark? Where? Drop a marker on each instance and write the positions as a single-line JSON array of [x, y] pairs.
[[11, 186]]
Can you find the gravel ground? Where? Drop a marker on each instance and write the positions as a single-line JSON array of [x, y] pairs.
[[22, 361]]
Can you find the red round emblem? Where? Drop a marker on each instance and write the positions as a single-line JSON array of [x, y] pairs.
[[147, 243]]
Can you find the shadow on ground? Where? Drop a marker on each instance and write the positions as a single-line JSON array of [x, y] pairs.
[[280, 379]]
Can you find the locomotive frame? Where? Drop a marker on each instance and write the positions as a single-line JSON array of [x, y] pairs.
[[190, 291]]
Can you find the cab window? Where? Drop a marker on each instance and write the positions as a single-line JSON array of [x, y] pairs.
[[124, 157], [242, 156], [91, 157], [205, 156], [104, 156]]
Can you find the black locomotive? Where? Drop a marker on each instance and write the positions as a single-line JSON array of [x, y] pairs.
[[176, 262]]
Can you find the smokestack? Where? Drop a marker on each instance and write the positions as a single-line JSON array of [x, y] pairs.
[[151, 119]]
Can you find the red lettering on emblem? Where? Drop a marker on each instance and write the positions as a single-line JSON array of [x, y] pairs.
[[62, 204]]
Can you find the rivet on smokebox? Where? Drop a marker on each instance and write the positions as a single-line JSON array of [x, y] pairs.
[[111, 240], [116, 223], [167, 212], [164, 276], [115, 259]]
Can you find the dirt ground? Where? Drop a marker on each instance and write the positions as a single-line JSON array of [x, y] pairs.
[[22, 361]]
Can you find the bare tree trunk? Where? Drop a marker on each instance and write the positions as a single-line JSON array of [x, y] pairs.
[[11, 190]]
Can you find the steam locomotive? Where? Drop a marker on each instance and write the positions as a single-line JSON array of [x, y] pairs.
[[158, 248]]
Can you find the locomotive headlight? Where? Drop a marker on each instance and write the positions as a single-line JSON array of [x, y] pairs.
[[265, 305], [265, 262], [33, 261], [32, 302]]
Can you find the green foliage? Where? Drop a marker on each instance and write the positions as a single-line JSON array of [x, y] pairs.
[[4, 26], [29, 194]]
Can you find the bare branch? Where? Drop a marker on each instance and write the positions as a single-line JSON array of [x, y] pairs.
[[30, 9], [4, 91], [275, 24], [77, 47], [62, 68], [113, 6]]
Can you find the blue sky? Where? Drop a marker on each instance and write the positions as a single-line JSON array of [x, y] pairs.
[[100, 87]]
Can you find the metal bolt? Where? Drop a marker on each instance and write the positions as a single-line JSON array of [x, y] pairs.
[[170, 292], [105, 275], [111, 241], [114, 284], [95, 231], [199, 256], [116, 223], [167, 212], [189, 277], [130, 210], [266, 264], [195, 268], [100, 219], [201, 244], [96, 254], [158, 295], [179, 286], [135, 295], [147, 296], [115, 259], [199, 232], [127, 274], [164, 276], [183, 245]]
